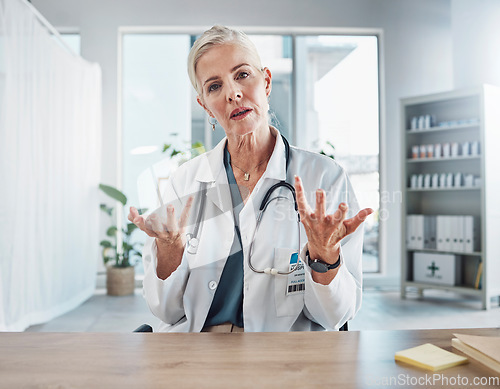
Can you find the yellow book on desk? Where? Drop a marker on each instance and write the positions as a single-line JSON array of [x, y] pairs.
[[429, 357]]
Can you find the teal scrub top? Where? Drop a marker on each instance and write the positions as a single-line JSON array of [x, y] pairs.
[[227, 305]]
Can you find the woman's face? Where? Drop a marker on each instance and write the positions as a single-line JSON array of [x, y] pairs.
[[233, 91]]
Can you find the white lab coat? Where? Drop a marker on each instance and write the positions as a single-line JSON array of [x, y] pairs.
[[183, 300]]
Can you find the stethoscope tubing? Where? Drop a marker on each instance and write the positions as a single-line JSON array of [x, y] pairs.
[[193, 240]]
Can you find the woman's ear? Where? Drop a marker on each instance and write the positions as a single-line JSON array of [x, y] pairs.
[[200, 101], [268, 81]]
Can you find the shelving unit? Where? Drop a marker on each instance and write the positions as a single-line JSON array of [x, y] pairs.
[[482, 105], [460, 158], [442, 189]]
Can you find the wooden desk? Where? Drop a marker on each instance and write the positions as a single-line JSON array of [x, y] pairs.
[[257, 360]]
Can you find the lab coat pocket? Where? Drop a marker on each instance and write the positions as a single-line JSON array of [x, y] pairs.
[[288, 289]]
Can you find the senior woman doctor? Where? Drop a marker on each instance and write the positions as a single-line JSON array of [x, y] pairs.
[[214, 288]]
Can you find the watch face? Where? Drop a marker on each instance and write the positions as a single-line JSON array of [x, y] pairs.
[[318, 267]]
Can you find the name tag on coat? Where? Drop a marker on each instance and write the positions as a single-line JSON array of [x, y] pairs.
[[296, 281]]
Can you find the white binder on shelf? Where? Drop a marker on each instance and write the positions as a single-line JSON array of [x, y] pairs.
[[460, 234], [419, 233], [454, 232], [449, 233], [415, 232], [440, 233], [471, 234]]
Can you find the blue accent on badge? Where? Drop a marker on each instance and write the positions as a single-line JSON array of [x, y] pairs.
[[294, 258]]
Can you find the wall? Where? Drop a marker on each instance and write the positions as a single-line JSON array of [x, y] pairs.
[[476, 42], [417, 44]]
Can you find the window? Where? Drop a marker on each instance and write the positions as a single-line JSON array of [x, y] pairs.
[[325, 91], [338, 105]]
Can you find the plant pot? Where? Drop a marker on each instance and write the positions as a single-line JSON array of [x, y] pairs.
[[120, 281]]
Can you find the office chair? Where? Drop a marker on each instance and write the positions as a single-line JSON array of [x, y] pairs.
[[148, 328], [144, 328]]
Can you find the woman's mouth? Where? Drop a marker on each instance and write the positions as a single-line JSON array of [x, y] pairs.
[[240, 113]]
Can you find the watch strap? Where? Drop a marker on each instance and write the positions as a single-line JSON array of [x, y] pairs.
[[321, 266]]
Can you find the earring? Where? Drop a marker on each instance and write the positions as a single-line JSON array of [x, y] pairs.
[[212, 124]]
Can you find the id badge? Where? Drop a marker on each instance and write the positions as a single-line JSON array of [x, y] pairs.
[[296, 281]]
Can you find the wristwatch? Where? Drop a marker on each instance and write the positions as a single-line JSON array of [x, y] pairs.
[[320, 266]]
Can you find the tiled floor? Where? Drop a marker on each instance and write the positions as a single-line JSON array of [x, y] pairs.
[[382, 309]]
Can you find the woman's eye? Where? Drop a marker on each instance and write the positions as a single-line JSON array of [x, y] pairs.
[[243, 75], [213, 87]]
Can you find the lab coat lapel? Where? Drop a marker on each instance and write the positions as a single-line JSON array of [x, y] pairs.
[[213, 173], [220, 195]]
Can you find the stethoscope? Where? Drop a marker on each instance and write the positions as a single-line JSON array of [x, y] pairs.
[[193, 240]]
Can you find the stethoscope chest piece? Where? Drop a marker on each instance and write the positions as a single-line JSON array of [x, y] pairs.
[[193, 245]]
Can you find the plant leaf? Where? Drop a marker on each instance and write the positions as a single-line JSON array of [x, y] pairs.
[[127, 247], [142, 211], [106, 243], [113, 193], [131, 227], [197, 149], [108, 210], [111, 231]]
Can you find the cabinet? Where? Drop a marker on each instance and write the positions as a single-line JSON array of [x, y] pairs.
[[459, 119]]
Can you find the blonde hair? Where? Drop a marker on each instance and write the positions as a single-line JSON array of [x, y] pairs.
[[216, 36]]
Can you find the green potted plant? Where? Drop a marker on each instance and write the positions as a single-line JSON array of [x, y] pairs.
[[196, 149], [119, 261], [329, 153]]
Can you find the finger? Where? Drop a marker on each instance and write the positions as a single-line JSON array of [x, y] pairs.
[[185, 213], [340, 213], [172, 225], [137, 219], [154, 223], [353, 223], [133, 214], [320, 204], [302, 203], [140, 222]]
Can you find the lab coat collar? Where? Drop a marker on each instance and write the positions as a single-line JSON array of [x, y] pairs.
[[210, 172], [276, 168], [211, 169]]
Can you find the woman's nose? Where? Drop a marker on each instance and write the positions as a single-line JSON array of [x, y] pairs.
[[235, 96], [234, 93]]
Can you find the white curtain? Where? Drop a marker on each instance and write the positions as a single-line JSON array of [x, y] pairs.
[[50, 134]]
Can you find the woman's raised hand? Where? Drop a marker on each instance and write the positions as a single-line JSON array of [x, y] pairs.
[[324, 232], [169, 230]]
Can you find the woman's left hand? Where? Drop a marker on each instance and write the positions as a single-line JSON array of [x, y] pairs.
[[324, 232]]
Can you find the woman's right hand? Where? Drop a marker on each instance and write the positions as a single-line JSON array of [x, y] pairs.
[[168, 231], [170, 236]]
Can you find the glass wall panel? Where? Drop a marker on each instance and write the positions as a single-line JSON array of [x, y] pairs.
[[276, 54], [337, 104], [156, 107]]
